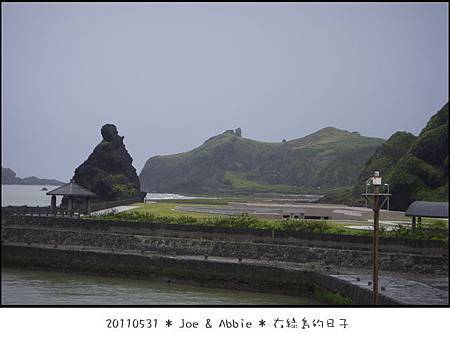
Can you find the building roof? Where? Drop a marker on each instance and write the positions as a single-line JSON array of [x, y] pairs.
[[428, 209], [71, 189]]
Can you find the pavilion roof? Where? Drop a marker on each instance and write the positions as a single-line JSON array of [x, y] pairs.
[[71, 189], [428, 209]]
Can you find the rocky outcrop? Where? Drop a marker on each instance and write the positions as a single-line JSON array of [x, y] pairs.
[[108, 171], [9, 176]]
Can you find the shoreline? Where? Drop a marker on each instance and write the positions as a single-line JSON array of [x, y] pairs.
[[215, 272], [290, 263]]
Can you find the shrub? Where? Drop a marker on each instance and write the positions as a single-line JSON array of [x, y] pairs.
[[436, 230]]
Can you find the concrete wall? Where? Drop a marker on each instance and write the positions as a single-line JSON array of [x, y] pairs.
[[239, 276], [343, 241], [319, 256]]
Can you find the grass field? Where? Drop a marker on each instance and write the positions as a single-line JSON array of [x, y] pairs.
[[166, 213]]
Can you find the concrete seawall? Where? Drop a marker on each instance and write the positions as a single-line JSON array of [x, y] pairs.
[[213, 272], [247, 259], [289, 252], [246, 234]]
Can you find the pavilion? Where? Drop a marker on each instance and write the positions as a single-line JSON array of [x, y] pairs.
[[71, 190], [421, 209]]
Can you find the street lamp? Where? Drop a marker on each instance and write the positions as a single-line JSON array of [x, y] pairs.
[[379, 199]]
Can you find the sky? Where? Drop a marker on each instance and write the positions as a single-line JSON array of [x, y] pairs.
[[171, 75]]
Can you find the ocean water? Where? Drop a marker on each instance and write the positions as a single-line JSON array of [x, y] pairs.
[[31, 195], [35, 287]]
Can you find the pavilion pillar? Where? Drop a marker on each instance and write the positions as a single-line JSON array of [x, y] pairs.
[[413, 223], [70, 205], [419, 220], [88, 206], [53, 204]]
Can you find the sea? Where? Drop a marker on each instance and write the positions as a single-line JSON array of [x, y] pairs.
[[35, 195], [37, 287], [30, 195]]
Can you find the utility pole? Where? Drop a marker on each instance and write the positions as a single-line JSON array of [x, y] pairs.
[[379, 199], [376, 235]]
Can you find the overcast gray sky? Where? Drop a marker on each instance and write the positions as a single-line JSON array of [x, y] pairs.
[[172, 75]]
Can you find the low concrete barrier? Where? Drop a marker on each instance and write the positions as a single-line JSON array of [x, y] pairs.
[[397, 244], [288, 252], [232, 275]]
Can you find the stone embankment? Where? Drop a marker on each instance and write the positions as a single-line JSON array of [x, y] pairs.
[[298, 262]]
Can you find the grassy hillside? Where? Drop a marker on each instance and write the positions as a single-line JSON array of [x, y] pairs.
[[229, 163], [384, 160], [416, 168], [422, 173]]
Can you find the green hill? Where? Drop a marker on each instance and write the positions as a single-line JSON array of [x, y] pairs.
[[416, 168], [384, 160], [230, 163], [422, 173]]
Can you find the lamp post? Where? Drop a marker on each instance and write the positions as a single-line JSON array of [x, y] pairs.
[[379, 199]]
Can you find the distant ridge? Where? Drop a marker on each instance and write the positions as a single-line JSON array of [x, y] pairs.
[[9, 177]]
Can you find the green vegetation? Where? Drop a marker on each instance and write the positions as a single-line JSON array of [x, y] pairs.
[[415, 167], [388, 154], [165, 213], [436, 230], [228, 163], [384, 160], [330, 297], [240, 182]]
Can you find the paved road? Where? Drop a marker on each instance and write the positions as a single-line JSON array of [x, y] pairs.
[[118, 209], [400, 289]]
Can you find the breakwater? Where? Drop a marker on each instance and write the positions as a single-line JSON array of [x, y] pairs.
[[213, 272], [170, 244], [244, 259], [205, 231], [300, 247]]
